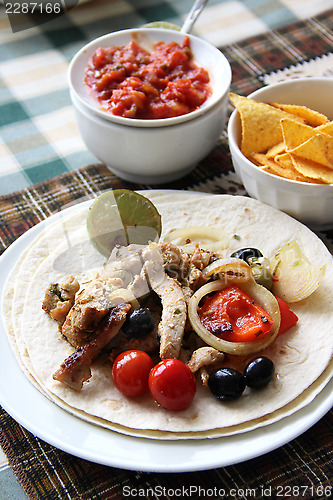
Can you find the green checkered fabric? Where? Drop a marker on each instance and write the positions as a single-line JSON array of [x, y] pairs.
[[299, 469]]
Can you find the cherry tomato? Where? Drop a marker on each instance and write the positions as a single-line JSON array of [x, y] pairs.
[[130, 372], [172, 384]]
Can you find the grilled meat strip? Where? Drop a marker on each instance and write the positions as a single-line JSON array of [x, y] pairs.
[[186, 268], [174, 310], [205, 356], [59, 298], [172, 324], [92, 304], [76, 368], [205, 359], [95, 300]]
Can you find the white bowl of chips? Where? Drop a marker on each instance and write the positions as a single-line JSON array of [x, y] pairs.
[[283, 152]]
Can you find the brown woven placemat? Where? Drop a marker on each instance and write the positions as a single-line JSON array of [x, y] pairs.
[[300, 469]]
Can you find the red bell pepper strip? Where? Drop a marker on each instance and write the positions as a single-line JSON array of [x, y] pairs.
[[231, 314], [288, 317]]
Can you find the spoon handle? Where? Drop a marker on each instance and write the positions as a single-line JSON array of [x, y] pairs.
[[193, 15]]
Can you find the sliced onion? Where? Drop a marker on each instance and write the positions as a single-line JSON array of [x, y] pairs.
[[260, 294], [229, 269], [209, 238], [296, 278]]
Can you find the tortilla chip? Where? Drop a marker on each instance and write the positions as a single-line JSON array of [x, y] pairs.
[[295, 133], [276, 170], [281, 169], [313, 170], [284, 160], [283, 166], [260, 124], [313, 118], [265, 163], [318, 149], [261, 159], [327, 128], [277, 149]]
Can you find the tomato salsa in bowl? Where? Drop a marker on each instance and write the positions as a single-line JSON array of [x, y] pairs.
[[132, 82], [205, 72], [150, 103]]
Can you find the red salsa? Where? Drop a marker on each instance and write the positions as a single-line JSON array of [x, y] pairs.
[[131, 82]]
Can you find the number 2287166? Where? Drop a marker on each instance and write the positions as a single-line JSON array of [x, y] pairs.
[[31, 7], [302, 491]]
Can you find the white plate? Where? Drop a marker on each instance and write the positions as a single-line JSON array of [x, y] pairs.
[[68, 433]]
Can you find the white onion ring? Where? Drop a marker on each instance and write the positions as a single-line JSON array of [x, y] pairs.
[[260, 294], [213, 239], [229, 269], [297, 277]]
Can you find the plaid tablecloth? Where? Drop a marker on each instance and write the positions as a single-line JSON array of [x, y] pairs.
[[38, 134], [299, 469]]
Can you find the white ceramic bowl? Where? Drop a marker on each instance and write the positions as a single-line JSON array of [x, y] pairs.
[[309, 203], [151, 151]]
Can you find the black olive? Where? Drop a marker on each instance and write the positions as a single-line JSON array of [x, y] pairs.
[[259, 372], [226, 383], [139, 323], [247, 254]]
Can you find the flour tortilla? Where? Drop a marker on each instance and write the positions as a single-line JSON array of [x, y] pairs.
[[302, 356]]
